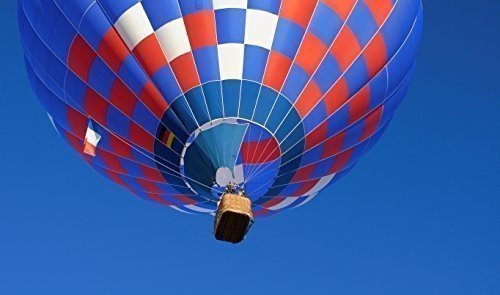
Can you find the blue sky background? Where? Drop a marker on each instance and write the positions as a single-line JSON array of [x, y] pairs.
[[419, 215]]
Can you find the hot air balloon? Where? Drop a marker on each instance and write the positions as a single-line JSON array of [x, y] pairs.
[[235, 108]]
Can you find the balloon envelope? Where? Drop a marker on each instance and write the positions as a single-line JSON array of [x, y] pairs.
[[174, 99]]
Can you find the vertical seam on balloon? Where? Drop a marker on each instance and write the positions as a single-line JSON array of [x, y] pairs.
[[69, 51], [218, 60], [386, 80], [218, 63]]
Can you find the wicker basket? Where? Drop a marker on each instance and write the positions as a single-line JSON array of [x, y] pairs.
[[233, 219]]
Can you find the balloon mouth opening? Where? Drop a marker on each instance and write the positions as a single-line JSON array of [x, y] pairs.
[[198, 152], [227, 151]]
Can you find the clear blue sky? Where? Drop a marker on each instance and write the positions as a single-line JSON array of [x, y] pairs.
[[419, 215]]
